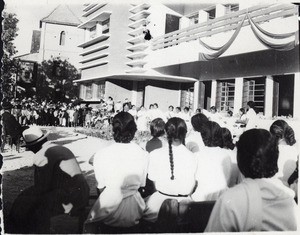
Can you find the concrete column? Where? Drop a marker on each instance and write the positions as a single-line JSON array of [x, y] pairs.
[[220, 10], [94, 91], [296, 113], [213, 93], [184, 22], [203, 16], [86, 35], [134, 93], [238, 94], [269, 96], [98, 29], [196, 95]]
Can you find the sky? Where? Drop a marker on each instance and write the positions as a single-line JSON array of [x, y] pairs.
[[30, 12]]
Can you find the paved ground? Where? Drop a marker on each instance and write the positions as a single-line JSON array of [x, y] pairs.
[[17, 171]]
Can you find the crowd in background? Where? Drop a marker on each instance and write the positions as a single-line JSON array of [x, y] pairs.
[[191, 157]]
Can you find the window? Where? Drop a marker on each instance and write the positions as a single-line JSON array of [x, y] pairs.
[[254, 90], [211, 13], [93, 32], [100, 90], [225, 94], [231, 8], [105, 26], [88, 91], [62, 38]]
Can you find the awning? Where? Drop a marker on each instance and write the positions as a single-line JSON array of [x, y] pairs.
[[148, 75]]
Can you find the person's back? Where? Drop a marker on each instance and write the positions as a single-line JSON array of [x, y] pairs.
[[213, 173], [171, 169], [259, 202], [153, 144], [157, 130], [120, 170], [59, 186], [268, 208]]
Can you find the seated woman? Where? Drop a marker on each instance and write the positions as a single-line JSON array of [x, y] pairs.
[[157, 129], [230, 147], [259, 202], [172, 169], [120, 170], [194, 139], [214, 164], [288, 152]]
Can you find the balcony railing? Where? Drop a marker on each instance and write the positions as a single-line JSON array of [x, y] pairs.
[[259, 14]]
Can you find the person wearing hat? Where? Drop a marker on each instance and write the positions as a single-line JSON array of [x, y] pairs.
[[59, 186], [11, 127]]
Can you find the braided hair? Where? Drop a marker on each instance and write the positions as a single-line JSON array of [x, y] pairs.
[[176, 130], [257, 154], [281, 130], [124, 127]]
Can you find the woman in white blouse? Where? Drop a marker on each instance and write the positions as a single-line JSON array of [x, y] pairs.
[[288, 151], [172, 169], [120, 170]]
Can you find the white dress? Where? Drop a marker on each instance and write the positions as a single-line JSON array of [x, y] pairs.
[[194, 141], [213, 173], [121, 169], [255, 205], [159, 172], [287, 161]]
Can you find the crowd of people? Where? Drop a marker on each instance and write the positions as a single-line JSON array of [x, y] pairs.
[[190, 158], [252, 182]]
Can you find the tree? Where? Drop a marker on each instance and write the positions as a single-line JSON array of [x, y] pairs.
[[10, 65], [55, 80]]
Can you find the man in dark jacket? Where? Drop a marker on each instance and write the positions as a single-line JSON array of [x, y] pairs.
[[59, 186], [11, 127]]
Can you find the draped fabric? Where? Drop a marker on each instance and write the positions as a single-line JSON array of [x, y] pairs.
[[222, 49], [258, 32], [276, 46]]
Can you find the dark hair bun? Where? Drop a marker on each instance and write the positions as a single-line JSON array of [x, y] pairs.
[[124, 127]]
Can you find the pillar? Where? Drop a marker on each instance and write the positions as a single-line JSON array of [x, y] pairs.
[[220, 10], [269, 97], [196, 95], [213, 93], [238, 94], [296, 113], [203, 16], [134, 93], [184, 22]]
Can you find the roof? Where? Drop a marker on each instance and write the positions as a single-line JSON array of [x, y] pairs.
[[149, 75], [65, 14], [30, 57]]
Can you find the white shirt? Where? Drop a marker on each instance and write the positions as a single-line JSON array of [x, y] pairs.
[[252, 119], [119, 161], [213, 173], [194, 141], [287, 161], [185, 165]]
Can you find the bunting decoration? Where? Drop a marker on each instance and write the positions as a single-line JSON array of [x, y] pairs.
[[259, 33]]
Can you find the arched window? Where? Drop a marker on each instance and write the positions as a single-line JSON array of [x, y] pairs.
[[62, 38]]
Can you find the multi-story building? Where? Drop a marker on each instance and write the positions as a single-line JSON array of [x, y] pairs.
[[200, 55]]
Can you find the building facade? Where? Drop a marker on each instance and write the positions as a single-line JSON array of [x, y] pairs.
[[200, 55]]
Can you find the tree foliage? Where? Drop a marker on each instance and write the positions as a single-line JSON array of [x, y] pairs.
[[55, 80], [10, 65]]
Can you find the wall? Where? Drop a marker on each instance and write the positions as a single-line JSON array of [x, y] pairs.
[[162, 93], [118, 90], [246, 42], [50, 42]]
